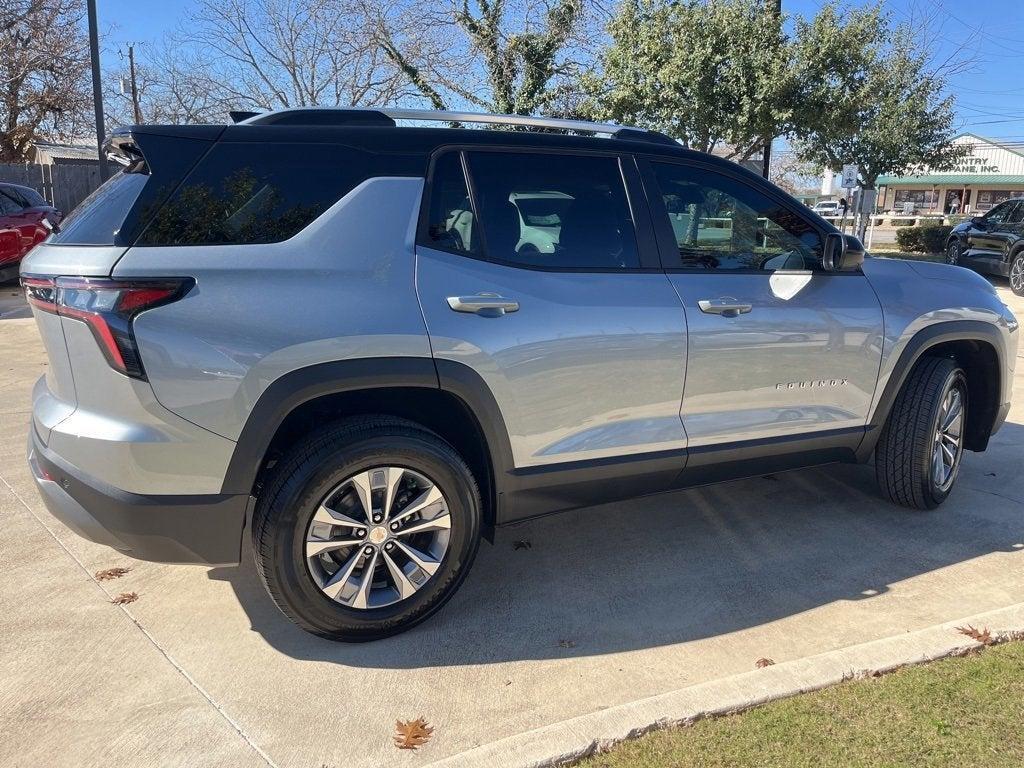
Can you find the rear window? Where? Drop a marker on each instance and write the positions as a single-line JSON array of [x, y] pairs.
[[243, 193], [98, 219]]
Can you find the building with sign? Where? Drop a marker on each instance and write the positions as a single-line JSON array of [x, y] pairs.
[[990, 173]]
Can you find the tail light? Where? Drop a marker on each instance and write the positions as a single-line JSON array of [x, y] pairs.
[[107, 307]]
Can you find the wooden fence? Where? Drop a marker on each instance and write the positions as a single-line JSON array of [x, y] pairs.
[[63, 184]]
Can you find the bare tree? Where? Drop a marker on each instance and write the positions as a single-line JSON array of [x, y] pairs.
[[490, 54], [288, 53], [44, 66], [174, 84]]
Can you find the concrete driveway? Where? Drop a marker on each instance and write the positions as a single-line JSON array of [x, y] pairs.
[[561, 620]]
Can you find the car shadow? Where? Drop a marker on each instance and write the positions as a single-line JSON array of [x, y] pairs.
[[680, 567]]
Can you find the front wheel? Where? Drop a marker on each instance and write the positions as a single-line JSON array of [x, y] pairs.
[[917, 458], [366, 528], [1017, 273]]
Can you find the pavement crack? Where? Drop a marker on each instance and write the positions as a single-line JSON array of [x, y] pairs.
[[160, 649]]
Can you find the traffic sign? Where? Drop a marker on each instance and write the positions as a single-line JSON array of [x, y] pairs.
[[850, 173]]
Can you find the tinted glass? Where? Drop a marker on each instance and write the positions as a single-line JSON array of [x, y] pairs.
[[1016, 215], [559, 211], [719, 222], [1000, 213], [98, 218], [254, 193], [450, 218]]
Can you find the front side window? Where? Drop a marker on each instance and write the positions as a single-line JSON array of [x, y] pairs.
[[554, 211], [720, 222], [1001, 212]]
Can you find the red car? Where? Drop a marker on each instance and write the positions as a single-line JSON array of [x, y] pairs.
[[22, 215]]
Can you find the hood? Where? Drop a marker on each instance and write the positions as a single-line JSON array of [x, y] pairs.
[[935, 271]]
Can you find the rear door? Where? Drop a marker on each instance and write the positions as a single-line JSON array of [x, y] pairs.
[[545, 283], [778, 348]]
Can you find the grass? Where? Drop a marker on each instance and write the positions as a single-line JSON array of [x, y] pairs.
[[960, 712]]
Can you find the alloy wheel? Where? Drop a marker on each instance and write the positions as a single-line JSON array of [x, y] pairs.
[[1017, 275], [947, 446], [953, 253], [378, 537]]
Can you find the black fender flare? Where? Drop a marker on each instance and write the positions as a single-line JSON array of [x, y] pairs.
[[302, 385], [919, 344]]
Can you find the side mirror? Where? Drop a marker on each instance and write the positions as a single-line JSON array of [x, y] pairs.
[[843, 253], [978, 221]]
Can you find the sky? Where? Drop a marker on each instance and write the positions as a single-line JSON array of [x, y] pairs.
[[990, 97]]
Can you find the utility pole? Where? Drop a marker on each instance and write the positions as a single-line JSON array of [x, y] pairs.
[[97, 88], [135, 89], [775, 7]]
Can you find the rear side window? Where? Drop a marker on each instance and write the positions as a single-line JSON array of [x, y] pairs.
[[450, 217], [555, 211], [255, 193], [98, 219]]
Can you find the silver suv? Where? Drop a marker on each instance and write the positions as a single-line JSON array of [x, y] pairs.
[[372, 344]]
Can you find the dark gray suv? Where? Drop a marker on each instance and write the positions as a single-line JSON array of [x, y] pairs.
[[370, 345]]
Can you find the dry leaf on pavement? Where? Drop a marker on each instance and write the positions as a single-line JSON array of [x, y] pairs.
[[412, 733], [111, 573], [763, 662], [983, 636], [125, 597]]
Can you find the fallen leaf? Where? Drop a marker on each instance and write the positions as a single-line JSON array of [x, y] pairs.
[[412, 733], [111, 573], [566, 644], [125, 597], [983, 636], [763, 662], [521, 544]]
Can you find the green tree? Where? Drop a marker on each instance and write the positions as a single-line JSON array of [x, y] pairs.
[[704, 72], [883, 108]]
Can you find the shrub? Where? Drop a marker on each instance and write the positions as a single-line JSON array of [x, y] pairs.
[[928, 239]]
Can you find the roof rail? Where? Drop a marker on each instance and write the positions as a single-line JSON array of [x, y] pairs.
[[388, 116]]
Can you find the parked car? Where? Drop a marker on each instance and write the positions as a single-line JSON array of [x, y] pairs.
[[23, 211], [343, 335], [827, 208], [993, 243]]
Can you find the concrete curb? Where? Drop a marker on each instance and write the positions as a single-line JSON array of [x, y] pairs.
[[578, 737]]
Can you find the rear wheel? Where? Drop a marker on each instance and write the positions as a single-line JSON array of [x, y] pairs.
[[1017, 273], [917, 459], [953, 252], [366, 528]]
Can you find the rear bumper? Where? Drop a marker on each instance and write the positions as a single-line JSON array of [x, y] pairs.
[[203, 529]]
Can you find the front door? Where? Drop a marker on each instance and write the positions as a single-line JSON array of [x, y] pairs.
[[537, 283], [988, 242], [778, 347]]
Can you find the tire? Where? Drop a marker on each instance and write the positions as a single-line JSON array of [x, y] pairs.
[[1017, 273], [310, 475], [905, 464], [953, 250]]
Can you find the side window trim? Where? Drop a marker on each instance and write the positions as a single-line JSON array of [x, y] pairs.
[[426, 203], [663, 231], [636, 199]]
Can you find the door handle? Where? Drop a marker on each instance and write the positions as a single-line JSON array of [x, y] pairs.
[[485, 304], [724, 307]]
